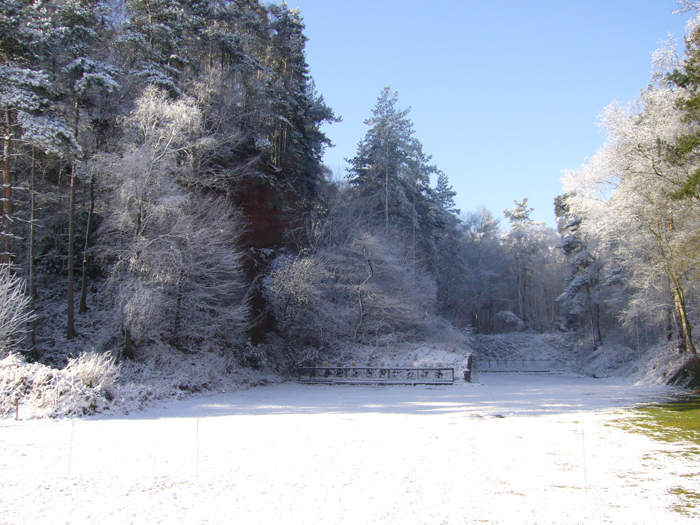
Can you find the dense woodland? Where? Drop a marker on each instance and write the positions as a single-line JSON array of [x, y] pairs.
[[163, 186]]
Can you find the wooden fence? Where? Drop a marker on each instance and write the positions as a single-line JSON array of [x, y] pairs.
[[523, 366], [382, 375]]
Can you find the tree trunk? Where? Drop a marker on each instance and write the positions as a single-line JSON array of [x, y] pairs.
[[370, 274], [595, 344], [71, 256], [129, 345], [6, 257], [70, 333], [83, 291], [178, 311], [685, 329], [519, 285], [386, 200], [414, 220], [32, 243]]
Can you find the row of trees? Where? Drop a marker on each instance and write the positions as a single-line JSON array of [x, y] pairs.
[[390, 253], [136, 134], [631, 215], [128, 128]]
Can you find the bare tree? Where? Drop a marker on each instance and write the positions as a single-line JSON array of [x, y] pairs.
[[176, 265], [14, 309]]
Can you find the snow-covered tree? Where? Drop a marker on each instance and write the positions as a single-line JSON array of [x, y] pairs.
[[390, 168], [362, 290], [624, 195], [176, 263], [581, 301], [14, 310], [473, 267], [74, 35], [522, 250], [26, 95], [152, 39]]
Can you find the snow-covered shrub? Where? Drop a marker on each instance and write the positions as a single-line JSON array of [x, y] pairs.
[[510, 321], [364, 290], [14, 309], [84, 387], [97, 371], [308, 306], [610, 359], [162, 372], [393, 296], [525, 345]]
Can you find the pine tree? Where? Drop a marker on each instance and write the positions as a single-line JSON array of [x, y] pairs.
[[26, 96], [686, 148], [521, 249], [75, 35], [392, 175], [295, 111], [153, 41], [445, 210], [581, 299]]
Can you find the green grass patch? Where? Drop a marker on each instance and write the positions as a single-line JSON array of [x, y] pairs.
[[676, 421], [689, 501]]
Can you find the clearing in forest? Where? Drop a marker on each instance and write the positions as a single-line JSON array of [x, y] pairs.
[[513, 449]]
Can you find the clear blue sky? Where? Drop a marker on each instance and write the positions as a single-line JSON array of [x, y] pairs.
[[504, 94]]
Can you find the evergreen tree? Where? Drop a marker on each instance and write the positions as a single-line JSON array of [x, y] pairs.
[[521, 249], [392, 176], [686, 148], [581, 299], [296, 110], [74, 37], [26, 99], [71, 71], [443, 195], [153, 38]]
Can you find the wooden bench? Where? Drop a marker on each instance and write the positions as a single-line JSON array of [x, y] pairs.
[[375, 375]]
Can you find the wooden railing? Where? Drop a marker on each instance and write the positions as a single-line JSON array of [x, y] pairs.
[[532, 366], [376, 375]]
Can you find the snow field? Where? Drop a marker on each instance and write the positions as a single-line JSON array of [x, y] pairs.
[[509, 451]]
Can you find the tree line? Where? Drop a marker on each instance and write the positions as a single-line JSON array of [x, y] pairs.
[[129, 127], [162, 165], [390, 256], [630, 215]]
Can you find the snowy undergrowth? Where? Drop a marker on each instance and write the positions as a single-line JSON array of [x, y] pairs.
[[405, 355], [525, 345], [613, 360], [443, 346], [438, 344], [656, 365], [166, 373], [78, 377], [86, 386], [52, 347], [93, 382], [660, 364]]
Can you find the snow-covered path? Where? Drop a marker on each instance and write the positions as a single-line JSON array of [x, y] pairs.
[[517, 449]]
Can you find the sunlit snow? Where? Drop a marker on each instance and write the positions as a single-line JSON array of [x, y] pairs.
[[511, 449]]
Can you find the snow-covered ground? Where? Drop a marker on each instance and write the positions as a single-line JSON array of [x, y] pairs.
[[514, 449]]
